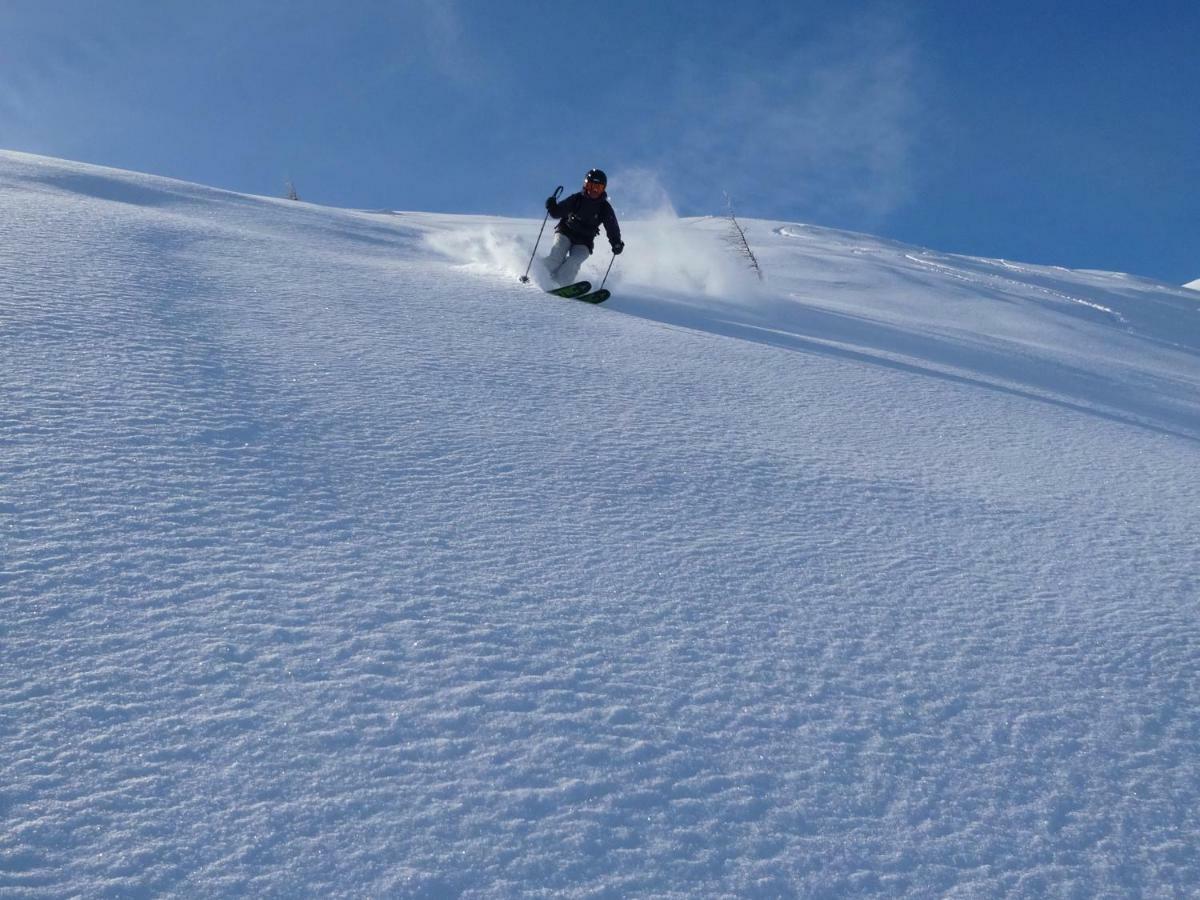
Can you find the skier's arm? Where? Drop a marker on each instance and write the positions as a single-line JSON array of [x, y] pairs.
[[558, 210], [611, 228]]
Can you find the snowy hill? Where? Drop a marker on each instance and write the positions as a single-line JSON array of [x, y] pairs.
[[1194, 285], [335, 562]]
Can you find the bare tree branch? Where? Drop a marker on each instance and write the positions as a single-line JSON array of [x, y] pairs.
[[736, 238]]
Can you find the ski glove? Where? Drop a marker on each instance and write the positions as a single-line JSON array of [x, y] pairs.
[[551, 202], [618, 247]]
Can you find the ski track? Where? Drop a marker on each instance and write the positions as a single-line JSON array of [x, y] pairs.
[[333, 567]]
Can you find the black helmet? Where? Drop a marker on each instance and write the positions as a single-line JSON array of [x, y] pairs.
[[596, 176]]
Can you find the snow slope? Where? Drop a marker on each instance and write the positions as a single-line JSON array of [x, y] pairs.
[[335, 562]]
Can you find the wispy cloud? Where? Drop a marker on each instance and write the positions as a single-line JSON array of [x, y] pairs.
[[827, 127], [39, 62], [445, 41]]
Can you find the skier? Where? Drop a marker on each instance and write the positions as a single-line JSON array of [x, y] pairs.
[[581, 216]]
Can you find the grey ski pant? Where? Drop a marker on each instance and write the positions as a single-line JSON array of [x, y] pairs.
[[565, 259]]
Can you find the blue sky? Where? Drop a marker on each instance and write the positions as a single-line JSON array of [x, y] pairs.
[[1065, 133]]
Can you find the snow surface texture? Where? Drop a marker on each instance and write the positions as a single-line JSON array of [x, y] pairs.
[[335, 562]]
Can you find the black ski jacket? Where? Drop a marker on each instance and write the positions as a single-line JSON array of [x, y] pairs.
[[582, 217]]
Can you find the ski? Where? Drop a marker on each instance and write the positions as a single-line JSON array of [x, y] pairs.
[[581, 290], [595, 296], [578, 289]]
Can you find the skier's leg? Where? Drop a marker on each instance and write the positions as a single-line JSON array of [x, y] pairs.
[[568, 273], [557, 255]]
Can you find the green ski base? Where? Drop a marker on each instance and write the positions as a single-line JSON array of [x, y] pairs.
[[581, 290], [578, 289]]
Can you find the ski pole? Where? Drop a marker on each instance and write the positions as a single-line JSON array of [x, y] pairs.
[[525, 277], [606, 271]]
